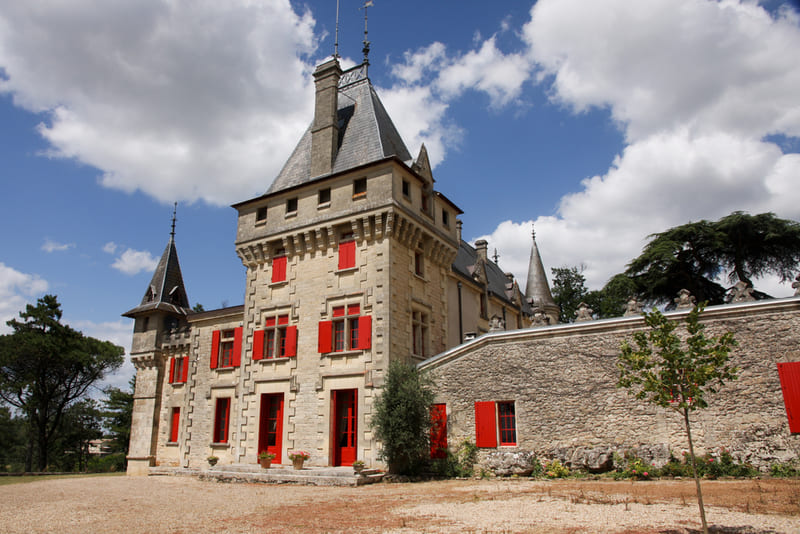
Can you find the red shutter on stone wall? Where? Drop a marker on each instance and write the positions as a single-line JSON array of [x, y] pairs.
[[291, 341], [185, 371], [214, 348], [176, 419], [324, 344], [789, 374], [364, 332], [439, 431], [258, 344], [347, 255], [237, 346], [279, 269], [171, 370], [485, 424]]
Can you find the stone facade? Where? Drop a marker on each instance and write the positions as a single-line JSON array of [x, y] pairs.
[[562, 381]]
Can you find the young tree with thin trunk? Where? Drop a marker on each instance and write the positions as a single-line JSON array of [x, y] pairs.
[[677, 374]]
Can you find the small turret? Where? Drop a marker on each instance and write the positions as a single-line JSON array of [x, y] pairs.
[[537, 291]]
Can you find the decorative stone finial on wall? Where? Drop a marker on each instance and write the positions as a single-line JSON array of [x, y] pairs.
[[796, 285], [540, 318], [633, 307], [496, 324], [741, 292], [583, 313], [685, 299]]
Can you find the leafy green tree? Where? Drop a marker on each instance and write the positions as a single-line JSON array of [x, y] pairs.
[[198, 308], [612, 300], [46, 366], [693, 255], [118, 414], [569, 290], [665, 371], [12, 440], [80, 424], [402, 418]]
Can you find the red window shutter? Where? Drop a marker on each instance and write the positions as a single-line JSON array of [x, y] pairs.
[[353, 309], [364, 332], [258, 344], [176, 419], [789, 374], [439, 431], [347, 255], [237, 346], [171, 370], [185, 372], [279, 269], [291, 341], [325, 337], [214, 348], [485, 424], [283, 319]]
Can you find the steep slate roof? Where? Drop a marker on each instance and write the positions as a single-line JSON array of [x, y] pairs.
[[366, 134], [537, 290], [166, 291], [497, 281]]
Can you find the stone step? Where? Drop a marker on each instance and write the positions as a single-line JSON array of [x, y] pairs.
[[281, 474]]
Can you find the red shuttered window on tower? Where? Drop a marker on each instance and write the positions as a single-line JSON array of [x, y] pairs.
[[789, 374], [178, 369], [347, 252], [226, 348], [495, 422], [277, 340], [222, 415], [348, 331], [439, 431], [175, 425], [278, 269]]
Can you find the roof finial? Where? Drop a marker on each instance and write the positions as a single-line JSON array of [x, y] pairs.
[[336, 42], [174, 211], [533, 232], [367, 3], [496, 256]]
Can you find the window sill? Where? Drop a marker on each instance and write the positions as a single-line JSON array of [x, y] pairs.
[[275, 360], [323, 205], [172, 444], [261, 223], [347, 270], [355, 352], [421, 277], [359, 196], [278, 283], [176, 384], [228, 369], [290, 215], [219, 445]]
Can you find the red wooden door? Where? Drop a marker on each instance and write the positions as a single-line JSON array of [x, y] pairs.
[[270, 430], [344, 427], [439, 431]]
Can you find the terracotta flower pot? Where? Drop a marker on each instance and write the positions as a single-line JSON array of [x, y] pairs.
[[297, 463], [265, 462]]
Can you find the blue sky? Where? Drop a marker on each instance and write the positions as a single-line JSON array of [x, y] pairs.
[[600, 122]]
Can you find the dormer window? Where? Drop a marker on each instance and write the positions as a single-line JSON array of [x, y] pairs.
[[324, 197], [261, 214], [406, 189], [291, 206], [445, 218]]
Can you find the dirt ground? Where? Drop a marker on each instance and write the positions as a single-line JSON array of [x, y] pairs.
[[184, 505]]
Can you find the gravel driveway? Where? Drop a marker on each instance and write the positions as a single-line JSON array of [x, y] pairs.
[[184, 505]]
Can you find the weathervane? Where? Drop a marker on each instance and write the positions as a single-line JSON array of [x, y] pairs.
[[367, 3], [533, 232], [496, 256], [174, 211]]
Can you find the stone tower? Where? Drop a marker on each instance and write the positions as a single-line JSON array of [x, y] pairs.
[[163, 308]]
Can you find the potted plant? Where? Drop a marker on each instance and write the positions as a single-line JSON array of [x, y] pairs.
[[358, 466], [212, 460], [265, 459], [298, 457]]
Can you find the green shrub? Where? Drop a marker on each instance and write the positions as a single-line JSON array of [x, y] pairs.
[[460, 463], [785, 469], [633, 467], [538, 468], [556, 469]]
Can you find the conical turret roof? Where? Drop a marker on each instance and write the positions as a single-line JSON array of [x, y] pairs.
[[537, 291], [166, 291]]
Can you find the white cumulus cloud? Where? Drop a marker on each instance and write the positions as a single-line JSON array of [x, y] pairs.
[[54, 246], [135, 261], [16, 290]]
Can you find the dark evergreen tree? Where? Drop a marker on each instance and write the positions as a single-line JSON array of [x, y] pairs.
[[45, 367], [569, 290]]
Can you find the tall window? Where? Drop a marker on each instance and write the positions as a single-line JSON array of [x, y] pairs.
[[419, 263], [261, 214], [360, 187], [222, 415], [178, 369], [277, 340], [349, 330], [324, 198], [174, 425], [279, 266], [291, 206], [226, 348], [347, 252], [419, 333]]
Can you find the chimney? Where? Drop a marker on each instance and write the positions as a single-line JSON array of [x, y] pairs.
[[481, 247], [325, 130], [459, 224]]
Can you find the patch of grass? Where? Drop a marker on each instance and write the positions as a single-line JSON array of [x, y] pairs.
[[22, 479]]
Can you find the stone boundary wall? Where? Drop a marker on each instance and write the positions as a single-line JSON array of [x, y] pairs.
[[563, 378]]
